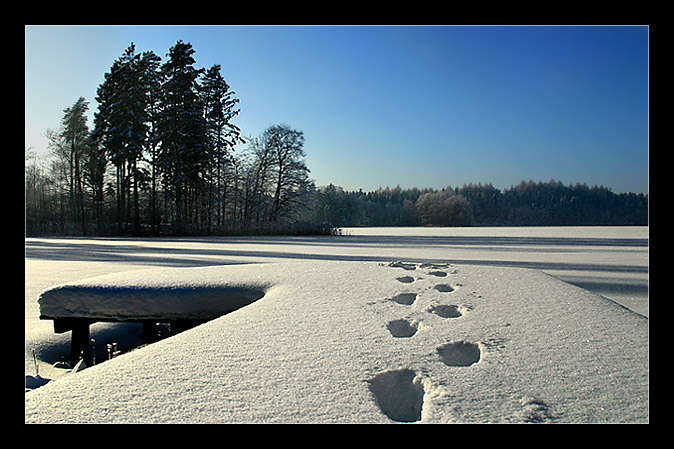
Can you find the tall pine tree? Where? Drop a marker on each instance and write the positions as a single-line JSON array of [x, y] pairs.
[[219, 105], [70, 146], [122, 127], [183, 155]]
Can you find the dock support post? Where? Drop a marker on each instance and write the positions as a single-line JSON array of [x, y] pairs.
[[79, 339], [79, 343], [150, 330]]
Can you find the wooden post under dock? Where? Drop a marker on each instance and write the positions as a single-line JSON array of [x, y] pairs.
[[79, 341]]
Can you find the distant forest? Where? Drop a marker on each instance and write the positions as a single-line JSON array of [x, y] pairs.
[[526, 204], [161, 160]]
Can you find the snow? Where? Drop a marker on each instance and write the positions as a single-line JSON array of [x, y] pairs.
[[344, 335], [146, 294]]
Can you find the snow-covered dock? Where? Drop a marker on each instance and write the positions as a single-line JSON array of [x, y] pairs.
[[183, 298]]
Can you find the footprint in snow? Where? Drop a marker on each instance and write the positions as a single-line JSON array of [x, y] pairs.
[[399, 394], [444, 288], [405, 279], [447, 311], [403, 265], [459, 353], [434, 266], [535, 410], [402, 328], [404, 298]]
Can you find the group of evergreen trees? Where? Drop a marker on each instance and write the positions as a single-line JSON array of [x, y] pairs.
[[161, 159], [526, 204]]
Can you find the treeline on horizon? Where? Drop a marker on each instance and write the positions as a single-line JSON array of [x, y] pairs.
[[526, 204], [162, 159]]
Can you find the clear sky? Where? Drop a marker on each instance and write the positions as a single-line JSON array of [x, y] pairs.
[[415, 106]]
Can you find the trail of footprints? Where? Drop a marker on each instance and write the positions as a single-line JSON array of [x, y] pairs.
[[400, 393], [408, 299]]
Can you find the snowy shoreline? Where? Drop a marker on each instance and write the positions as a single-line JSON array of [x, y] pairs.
[[334, 341]]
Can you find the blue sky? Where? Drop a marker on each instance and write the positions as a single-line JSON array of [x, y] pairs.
[[415, 106]]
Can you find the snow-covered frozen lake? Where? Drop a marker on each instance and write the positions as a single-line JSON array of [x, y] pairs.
[[609, 261]]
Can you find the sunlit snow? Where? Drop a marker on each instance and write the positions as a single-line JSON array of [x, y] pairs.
[[379, 325]]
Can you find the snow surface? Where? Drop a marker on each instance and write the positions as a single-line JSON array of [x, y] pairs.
[[335, 340], [173, 293]]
